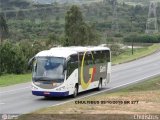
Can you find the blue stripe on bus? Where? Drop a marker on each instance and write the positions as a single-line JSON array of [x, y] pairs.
[[54, 94]]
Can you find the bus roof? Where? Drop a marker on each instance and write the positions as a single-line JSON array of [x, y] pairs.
[[67, 51]]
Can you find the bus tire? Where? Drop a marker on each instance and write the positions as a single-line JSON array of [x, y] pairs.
[[47, 97], [75, 91], [99, 85]]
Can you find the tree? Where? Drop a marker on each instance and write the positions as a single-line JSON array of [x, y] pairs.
[[12, 59], [3, 29], [53, 40], [77, 32], [74, 26]]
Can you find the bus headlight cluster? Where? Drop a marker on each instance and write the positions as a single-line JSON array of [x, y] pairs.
[[37, 83], [34, 88], [56, 84], [61, 88]]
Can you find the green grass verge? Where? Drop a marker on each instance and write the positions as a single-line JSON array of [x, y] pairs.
[[12, 79], [138, 53], [151, 84]]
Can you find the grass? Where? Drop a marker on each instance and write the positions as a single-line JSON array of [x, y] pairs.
[[151, 84], [11, 79], [146, 95], [139, 91], [138, 53]]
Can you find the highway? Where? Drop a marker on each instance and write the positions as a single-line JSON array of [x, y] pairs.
[[19, 100]]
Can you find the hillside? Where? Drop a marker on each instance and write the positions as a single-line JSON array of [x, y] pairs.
[[35, 27], [29, 21], [32, 22]]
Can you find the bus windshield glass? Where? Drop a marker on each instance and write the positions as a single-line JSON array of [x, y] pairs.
[[48, 68]]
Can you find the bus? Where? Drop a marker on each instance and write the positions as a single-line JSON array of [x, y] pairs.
[[64, 71]]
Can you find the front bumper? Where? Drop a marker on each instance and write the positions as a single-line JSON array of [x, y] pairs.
[[50, 94]]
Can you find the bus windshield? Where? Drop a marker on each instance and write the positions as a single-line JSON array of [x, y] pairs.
[[48, 68]]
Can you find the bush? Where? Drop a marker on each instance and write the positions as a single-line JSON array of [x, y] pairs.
[[115, 49], [142, 38], [118, 35], [14, 57]]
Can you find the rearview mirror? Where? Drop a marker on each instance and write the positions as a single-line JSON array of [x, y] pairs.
[[30, 62], [65, 66]]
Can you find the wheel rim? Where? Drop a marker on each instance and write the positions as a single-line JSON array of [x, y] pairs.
[[75, 92], [100, 85]]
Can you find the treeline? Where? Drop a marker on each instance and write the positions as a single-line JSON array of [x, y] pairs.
[[13, 4], [14, 55], [143, 38], [36, 23]]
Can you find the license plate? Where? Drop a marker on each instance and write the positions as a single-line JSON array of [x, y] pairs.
[[47, 93]]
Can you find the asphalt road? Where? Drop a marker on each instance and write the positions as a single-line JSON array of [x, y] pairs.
[[19, 100]]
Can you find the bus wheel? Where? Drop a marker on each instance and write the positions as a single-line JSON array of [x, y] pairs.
[[75, 92], [99, 85], [47, 97]]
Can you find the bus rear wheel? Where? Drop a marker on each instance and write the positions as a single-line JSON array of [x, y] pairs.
[[75, 92], [47, 97], [99, 85]]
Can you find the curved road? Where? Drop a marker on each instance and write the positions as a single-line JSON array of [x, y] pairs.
[[19, 100]]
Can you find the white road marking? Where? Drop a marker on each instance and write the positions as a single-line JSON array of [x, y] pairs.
[[154, 75], [2, 103], [139, 69]]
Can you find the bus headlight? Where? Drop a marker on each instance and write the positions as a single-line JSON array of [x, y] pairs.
[[56, 84], [37, 83], [61, 88], [34, 88]]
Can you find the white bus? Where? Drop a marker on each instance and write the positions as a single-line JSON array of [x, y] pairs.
[[64, 71]]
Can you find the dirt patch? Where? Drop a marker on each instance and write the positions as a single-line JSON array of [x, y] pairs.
[[148, 103]]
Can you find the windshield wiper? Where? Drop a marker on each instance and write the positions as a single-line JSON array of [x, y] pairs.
[[42, 78]]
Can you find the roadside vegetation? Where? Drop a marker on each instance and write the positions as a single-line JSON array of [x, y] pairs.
[[22, 34], [26, 30], [125, 56]]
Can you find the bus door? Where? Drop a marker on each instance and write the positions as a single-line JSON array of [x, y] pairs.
[[86, 69]]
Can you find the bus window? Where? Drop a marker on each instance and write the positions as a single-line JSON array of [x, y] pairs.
[[108, 56], [88, 59], [96, 57], [100, 57], [72, 64], [103, 57]]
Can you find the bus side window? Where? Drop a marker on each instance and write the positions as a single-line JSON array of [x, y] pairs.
[[96, 57], [108, 56], [100, 57], [89, 60], [72, 64]]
